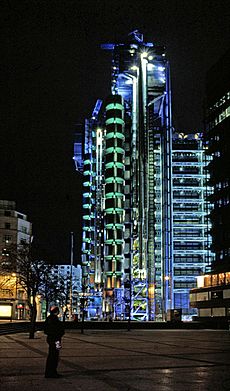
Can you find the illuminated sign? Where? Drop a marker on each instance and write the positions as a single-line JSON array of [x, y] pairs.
[[5, 310]]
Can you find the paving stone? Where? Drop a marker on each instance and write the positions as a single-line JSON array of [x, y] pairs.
[[108, 360]]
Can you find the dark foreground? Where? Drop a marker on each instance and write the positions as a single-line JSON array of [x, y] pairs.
[[106, 360]]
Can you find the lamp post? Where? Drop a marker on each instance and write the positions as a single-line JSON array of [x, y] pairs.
[[71, 280], [166, 282], [15, 295]]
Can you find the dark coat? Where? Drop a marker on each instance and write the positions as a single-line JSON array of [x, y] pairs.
[[53, 328]]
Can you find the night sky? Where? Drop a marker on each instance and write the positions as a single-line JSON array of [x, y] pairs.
[[53, 70]]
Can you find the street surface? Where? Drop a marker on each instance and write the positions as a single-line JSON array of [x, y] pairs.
[[101, 360]]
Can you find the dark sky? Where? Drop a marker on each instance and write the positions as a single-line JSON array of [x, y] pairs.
[[53, 70]]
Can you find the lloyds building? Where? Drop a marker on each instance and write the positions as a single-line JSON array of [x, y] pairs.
[[145, 236]]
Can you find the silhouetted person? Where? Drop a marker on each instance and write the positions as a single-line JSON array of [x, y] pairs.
[[54, 330]]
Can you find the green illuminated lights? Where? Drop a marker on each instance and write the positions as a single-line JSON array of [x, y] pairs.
[[86, 217], [114, 121], [86, 195], [115, 149], [110, 135], [87, 206], [115, 180], [114, 210], [114, 164], [114, 241], [86, 184], [114, 195], [114, 106]]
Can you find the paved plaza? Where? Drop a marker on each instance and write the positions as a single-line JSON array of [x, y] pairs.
[[161, 360]]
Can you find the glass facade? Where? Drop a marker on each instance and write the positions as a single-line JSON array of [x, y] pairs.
[[217, 136], [145, 236]]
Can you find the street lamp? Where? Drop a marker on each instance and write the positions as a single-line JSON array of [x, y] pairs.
[[15, 294]]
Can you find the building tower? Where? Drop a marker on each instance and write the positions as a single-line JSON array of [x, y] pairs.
[[217, 135], [145, 234], [119, 233], [211, 296]]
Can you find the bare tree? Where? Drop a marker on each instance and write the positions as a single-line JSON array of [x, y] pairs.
[[30, 274], [7, 284], [49, 286], [64, 293]]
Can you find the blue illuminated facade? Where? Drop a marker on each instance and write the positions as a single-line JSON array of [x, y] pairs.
[[135, 260], [191, 228]]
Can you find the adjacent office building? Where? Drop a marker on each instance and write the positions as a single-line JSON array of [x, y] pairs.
[[192, 255], [15, 229], [14, 226], [217, 135], [212, 295], [145, 236], [70, 279]]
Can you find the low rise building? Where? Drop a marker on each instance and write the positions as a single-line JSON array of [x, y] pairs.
[[212, 296], [15, 229]]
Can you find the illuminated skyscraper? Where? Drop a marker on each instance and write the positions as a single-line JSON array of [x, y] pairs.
[[128, 266]]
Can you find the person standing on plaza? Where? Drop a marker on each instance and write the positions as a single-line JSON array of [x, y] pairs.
[[54, 330]]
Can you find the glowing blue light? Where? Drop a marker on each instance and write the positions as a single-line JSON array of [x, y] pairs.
[[161, 69], [150, 66]]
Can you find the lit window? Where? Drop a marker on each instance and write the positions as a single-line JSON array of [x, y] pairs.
[[7, 238]]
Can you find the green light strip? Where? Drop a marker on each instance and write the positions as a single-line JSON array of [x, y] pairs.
[[116, 194], [86, 195], [115, 149], [114, 121], [114, 180], [114, 210], [114, 227], [114, 135], [119, 150], [109, 273], [116, 106], [114, 164], [119, 241], [119, 226], [86, 240], [109, 241]]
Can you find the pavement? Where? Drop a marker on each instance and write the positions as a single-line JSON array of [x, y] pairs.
[[109, 360]]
